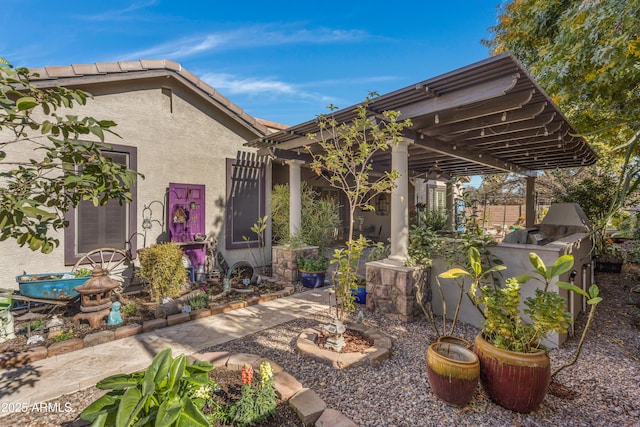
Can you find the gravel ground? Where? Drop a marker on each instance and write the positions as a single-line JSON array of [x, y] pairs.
[[603, 385]]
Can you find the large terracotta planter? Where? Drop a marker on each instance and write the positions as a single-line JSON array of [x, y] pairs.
[[453, 372], [516, 381]]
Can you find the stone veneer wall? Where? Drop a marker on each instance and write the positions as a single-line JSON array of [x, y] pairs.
[[285, 261], [391, 290]]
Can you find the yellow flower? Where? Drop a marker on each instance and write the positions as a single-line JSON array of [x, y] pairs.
[[266, 373]]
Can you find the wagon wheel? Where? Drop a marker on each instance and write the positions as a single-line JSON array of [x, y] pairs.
[[240, 270], [115, 262]]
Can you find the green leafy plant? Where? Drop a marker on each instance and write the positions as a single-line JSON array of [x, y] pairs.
[[130, 309], [198, 301], [162, 395], [259, 228], [313, 264], [83, 272], [37, 324], [504, 326], [318, 217], [161, 265], [346, 275], [64, 335], [379, 251]]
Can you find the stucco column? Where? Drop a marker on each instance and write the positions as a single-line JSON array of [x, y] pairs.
[[449, 206], [400, 202], [530, 202], [295, 197]]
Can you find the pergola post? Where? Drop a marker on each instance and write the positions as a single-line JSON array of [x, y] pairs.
[[449, 206], [295, 197], [400, 202], [530, 202]]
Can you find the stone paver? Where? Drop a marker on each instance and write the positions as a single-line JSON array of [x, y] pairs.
[[308, 405], [332, 418], [286, 385], [99, 337]]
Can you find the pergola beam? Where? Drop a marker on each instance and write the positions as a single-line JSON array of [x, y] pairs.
[[484, 159], [487, 108], [499, 118], [477, 93]]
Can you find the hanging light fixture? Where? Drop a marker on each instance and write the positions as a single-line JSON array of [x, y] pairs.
[[382, 204]]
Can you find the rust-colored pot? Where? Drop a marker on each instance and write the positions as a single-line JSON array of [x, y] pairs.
[[516, 381], [453, 372]]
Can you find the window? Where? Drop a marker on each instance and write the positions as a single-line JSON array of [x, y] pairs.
[[245, 199], [105, 226], [437, 198]]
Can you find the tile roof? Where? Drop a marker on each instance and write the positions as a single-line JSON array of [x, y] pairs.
[[86, 73]]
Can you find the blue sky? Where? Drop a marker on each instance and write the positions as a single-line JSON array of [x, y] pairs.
[[280, 61]]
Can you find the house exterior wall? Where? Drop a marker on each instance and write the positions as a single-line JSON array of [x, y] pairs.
[[179, 138]]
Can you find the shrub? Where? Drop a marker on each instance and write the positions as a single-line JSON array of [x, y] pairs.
[[319, 216], [161, 265], [319, 263]]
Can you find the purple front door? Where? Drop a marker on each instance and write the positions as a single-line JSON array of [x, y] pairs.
[[187, 219]]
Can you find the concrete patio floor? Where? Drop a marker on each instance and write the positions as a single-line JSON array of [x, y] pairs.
[[70, 372]]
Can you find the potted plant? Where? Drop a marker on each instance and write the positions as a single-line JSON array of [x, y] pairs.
[[359, 292], [514, 364], [452, 368], [313, 271], [609, 259]]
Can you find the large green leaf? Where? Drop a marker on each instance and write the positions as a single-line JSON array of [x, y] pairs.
[[176, 371], [453, 273], [561, 266], [129, 407], [537, 263], [102, 405], [159, 366], [573, 288], [199, 365], [34, 212], [168, 411], [117, 382], [26, 103], [191, 415]]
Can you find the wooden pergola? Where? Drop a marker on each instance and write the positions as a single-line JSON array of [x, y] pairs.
[[488, 117]]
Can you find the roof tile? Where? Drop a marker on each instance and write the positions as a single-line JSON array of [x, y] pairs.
[[85, 69], [153, 64], [206, 87], [60, 71], [190, 76], [42, 72], [108, 67], [130, 65]]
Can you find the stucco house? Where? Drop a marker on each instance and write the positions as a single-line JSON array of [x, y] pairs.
[[186, 139]]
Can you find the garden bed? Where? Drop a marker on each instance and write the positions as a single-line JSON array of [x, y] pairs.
[[138, 309]]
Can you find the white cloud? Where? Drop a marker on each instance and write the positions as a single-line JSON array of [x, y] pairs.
[[247, 37], [120, 14], [229, 84]]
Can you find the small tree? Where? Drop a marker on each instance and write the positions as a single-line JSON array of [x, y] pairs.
[[36, 193], [345, 161]]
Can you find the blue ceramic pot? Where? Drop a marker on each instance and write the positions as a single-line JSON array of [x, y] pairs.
[[312, 279], [359, 295]]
